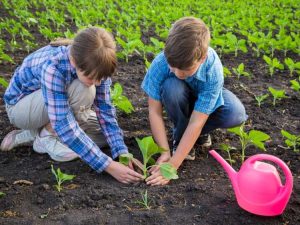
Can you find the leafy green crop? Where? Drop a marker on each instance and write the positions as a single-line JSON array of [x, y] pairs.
[[292, 65], [277, 94], [273, 64], [145, 200], [240, 71], [261, 98], [254, 137], [119, 100], [60, 177], [227, 149], [291, 140], [148, 149], [3, 82], [295, 85]]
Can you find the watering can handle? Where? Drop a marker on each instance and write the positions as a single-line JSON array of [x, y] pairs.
[[283, 166]]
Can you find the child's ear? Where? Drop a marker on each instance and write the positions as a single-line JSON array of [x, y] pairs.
[[72, 61]]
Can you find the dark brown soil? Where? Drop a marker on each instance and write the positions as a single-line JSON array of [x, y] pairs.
[[202, 195]]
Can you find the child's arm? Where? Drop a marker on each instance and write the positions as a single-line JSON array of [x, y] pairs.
[[187, 141], [106, 114], [157, 124]]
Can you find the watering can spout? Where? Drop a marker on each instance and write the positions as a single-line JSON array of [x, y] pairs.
[[229, 170]]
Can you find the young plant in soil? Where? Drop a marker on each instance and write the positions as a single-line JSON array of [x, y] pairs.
[[3, 82], [240, 71], [260, 99], [277, 94], [254, 137], [2, 194], [60, 177], [228, 148], [119, 100], [295, 85], [145, 202], [148, 149], [292, 65], [291, 140], [273, 64]]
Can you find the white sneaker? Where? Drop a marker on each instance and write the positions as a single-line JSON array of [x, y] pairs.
[[17, 138], [57, 151]]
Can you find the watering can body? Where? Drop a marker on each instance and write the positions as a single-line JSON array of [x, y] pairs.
[[258, 186]]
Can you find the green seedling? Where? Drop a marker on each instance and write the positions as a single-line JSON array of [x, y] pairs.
[[277, 94], [148, 149], [295, 85], [234, 43], [226, 72], [254, 137], [119, 100], [2, 194], [291, 140], [273, 64], [240, 71], [260, 99], [228, 148], [60, 177], [293, 66], [145, 202], [3, 82]]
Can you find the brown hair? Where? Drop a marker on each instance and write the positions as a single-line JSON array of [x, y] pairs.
[[94, 52], [187, 42]]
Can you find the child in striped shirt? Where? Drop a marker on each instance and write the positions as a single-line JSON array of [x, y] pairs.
[[50, 98]]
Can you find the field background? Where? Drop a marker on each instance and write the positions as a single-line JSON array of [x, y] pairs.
[[242, 32]]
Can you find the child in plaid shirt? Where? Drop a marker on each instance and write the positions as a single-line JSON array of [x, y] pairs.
[[50, 98]]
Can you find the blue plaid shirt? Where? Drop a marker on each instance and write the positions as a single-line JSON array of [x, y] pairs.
[[49, 69], [206, 83]]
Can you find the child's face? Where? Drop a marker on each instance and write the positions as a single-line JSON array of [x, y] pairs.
[[87, 81], [183, 74]]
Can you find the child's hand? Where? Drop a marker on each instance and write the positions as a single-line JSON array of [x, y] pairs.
[[156, 179], [123, 173], [164, 157]]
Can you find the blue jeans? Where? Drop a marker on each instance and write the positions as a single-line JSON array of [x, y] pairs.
[[178, 100]]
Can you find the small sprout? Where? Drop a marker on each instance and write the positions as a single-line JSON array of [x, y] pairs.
[[254, 137], [240, 71], [3, 82], [145, 200], [227, 148], [2, 194], [260, 99], [292, 65], [273, 64], [119, 100], [60, 177], [277, 94], [291, 140], [295, 85], [226, 72]]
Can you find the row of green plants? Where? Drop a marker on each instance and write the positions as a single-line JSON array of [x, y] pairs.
[[265, 26], [257, 138]]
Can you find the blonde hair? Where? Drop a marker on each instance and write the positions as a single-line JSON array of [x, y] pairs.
[[187, 42], [94, 52]]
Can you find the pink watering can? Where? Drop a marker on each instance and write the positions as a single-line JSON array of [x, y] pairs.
[[258, 186]]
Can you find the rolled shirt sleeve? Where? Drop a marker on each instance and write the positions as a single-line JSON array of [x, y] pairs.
[[106, 114]]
